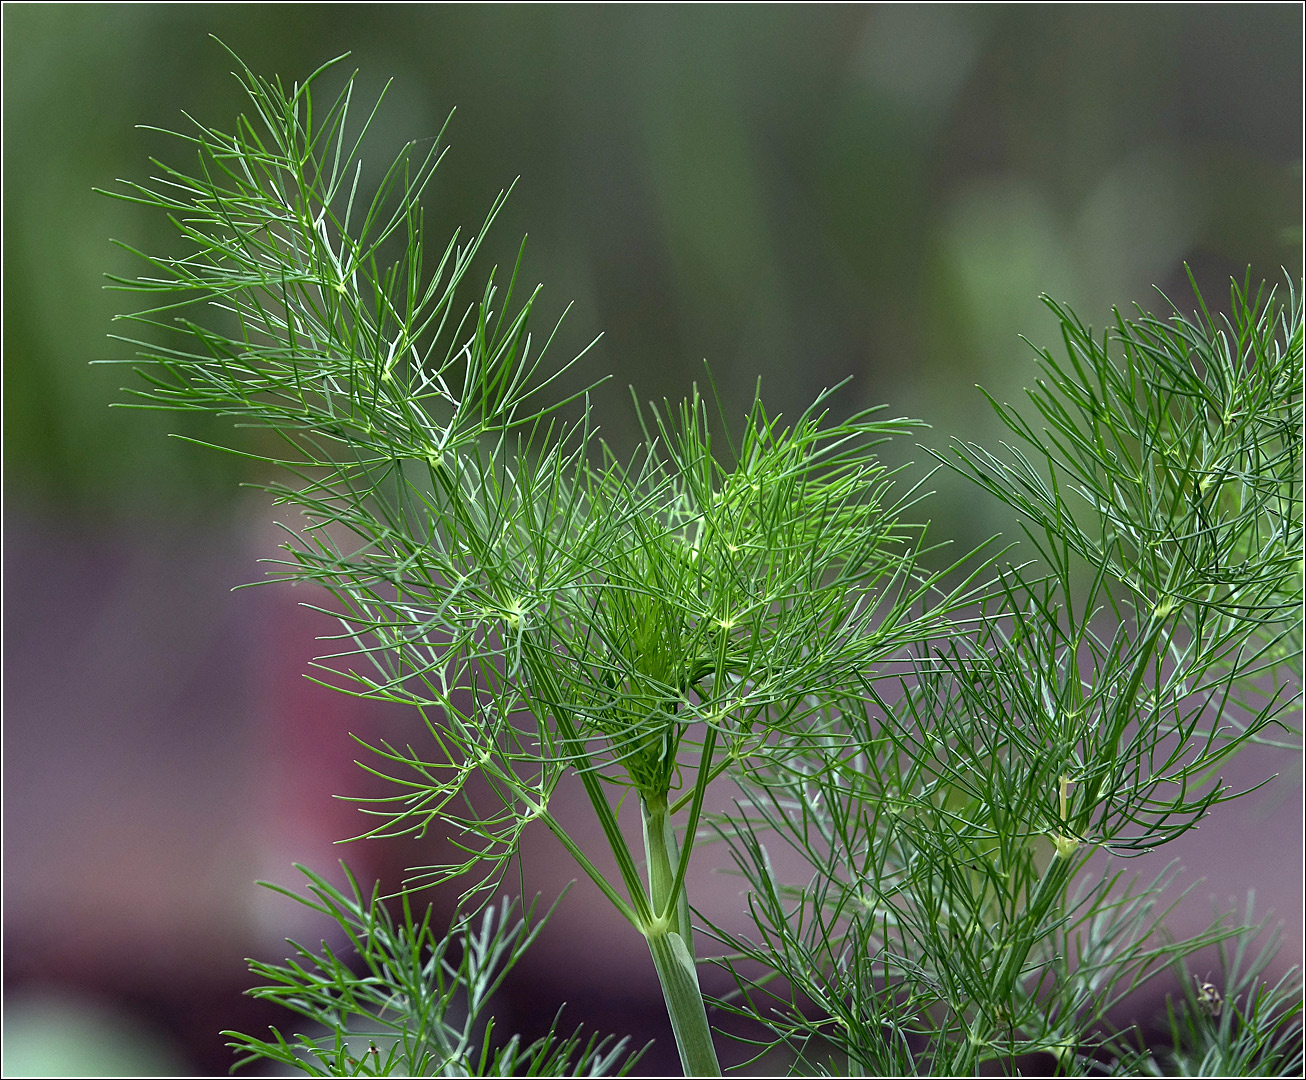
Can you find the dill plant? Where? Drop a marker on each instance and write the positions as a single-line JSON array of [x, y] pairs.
[[944, 748]]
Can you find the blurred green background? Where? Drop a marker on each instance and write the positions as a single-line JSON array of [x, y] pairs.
[[797, 193]]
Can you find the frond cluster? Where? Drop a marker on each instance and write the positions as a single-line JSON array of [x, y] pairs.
[[943, 758], [406, 1001]]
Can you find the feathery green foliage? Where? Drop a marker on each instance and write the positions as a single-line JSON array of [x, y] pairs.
[[414, 999], [944, 757]]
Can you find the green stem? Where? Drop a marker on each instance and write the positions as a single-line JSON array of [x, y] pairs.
[[591, 871], [542, 674], [680, 860], [684, 1000], [1049, 890], [670, 940], [689, 796], [663, 859]]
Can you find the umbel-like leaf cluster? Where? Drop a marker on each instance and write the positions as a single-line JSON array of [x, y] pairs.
[[490, 558], [944, 758]]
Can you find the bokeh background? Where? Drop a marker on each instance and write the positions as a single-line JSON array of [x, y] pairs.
[[796, 193]]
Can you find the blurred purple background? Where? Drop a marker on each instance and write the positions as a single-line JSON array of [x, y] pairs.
[[796, 193]]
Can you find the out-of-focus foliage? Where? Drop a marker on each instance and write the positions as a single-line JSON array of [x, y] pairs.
[[794, 193]]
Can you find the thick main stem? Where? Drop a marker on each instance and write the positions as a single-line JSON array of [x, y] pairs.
[[671, 942]]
